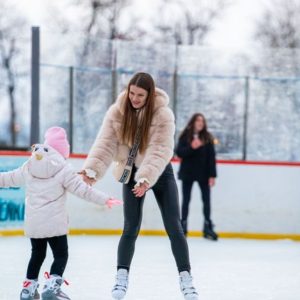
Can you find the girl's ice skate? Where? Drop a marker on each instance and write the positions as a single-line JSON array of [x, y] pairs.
[[120, 288], [52, 290], [30, 290], [186, 286]]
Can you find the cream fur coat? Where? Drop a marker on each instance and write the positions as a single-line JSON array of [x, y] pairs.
[[108, 147]]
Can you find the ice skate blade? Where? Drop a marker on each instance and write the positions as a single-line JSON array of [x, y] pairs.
[[48, 295], [118, 296], [35, 297], [209, 237]]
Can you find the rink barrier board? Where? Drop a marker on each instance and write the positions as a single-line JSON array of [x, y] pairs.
[[176, 160], [253, 236], [193, 233]]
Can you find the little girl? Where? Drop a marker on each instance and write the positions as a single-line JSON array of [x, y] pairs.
[[47, 178]]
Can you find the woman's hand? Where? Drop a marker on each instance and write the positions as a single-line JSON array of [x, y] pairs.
[[86, 179], [139, 191], [211, 181]]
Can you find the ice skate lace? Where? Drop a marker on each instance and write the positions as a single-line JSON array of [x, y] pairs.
[[121, 282], [56, 282], [187, 285], [30, 287]]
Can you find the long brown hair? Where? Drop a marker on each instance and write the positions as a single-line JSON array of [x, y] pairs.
[[143, 118], [204, 134]]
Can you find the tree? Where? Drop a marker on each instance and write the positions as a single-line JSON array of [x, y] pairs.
[[278, 31], [189, 22], [101, 22], [11, 25], [96, 23], [279, 25]]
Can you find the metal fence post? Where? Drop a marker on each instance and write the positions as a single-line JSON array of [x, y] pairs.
[[71, 106], [114, 82], [246, 115], [114, 73], [35, 85], [175, 87]]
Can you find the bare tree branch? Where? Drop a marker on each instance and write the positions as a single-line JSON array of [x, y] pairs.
[[279, 25], [10, 26], [191, 21]]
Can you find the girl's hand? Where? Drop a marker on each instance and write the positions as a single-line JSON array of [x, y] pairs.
[[86, 179], [139, 191], [211, 181], [196, 143], [112, 202]]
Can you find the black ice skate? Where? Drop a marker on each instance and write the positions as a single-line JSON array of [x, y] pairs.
[[208, 231], [184, 226]]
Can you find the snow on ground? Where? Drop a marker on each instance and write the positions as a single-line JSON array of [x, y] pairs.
[[226, 270]]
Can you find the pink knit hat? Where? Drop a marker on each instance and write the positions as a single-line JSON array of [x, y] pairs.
[[56, 137]]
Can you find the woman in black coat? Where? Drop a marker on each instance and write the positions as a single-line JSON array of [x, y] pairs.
[[196, 149]]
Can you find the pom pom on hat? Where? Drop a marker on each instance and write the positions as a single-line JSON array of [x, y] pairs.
[[56, 137]]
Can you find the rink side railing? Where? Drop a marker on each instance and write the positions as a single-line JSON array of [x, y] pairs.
[[175, 159], [193, 233]]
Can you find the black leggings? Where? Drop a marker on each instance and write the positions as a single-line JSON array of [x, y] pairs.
[[59, 247], [166, 194], [186, 190]]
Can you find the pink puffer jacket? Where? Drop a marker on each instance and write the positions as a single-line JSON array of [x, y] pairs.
[[47, 177]]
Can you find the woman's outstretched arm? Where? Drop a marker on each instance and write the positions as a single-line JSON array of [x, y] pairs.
[[160, 149], [104, 147]]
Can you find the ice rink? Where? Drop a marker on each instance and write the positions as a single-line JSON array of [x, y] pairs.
[[225, 270]]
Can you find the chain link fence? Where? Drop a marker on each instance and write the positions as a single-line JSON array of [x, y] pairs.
[[251, 100]]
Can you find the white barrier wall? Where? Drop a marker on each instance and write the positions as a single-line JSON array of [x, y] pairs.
[[246, 198]]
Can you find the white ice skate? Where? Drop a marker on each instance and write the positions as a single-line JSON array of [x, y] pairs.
[[30, 290], [52, 290], [186, 286], [120, 288]]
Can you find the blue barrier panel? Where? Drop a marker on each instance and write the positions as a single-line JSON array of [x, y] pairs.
[[12, 204]]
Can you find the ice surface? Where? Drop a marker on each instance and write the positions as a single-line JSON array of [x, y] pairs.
[[225, 270]]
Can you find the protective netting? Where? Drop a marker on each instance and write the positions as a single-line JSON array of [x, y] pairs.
[[15, 90], [216, 82]]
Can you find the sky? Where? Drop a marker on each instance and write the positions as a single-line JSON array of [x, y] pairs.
[[236, 27], [233, 30]]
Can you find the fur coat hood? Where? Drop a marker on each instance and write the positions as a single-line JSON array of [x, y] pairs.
[[108, 146]]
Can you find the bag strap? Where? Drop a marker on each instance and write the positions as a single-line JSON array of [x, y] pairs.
[[134, 149], [125, 177]]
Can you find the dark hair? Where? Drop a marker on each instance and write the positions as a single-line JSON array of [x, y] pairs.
[[204, 134], [130, 119]]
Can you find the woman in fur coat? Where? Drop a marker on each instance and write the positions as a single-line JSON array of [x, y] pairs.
[[141, 118]]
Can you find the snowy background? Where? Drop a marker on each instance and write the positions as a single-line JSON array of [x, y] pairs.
[[210, 56]]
